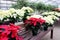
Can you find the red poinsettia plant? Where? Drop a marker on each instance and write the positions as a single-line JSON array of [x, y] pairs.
[[9, 32], [34, 24], [34, 21]]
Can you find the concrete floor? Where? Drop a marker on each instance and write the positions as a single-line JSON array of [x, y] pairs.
[[56, 35]]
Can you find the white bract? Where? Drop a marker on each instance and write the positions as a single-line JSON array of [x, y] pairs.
[[53, 17], [57, 14], [20, 12], [30, 10], [2, 15], [1, 18], [12, 10], [34, 16], [48, 13], [48, 20]]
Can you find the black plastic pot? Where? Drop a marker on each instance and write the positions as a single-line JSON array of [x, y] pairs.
[[34, 32], [45, 28]]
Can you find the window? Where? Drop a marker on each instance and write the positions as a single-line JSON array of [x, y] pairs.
[[5, 4]]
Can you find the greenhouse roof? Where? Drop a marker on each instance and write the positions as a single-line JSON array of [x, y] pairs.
[[52, 2]]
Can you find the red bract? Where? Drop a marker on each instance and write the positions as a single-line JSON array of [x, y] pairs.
[[4, 38], [41, 21], [5, 30], [26, 21], [14, 30], [35, 20]]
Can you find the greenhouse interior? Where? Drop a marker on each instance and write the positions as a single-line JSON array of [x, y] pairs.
[[29, 19]]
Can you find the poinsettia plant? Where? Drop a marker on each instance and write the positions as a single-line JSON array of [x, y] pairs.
[[50, 17], [34, 24], [14, 14], [25, 15], [9, 32]]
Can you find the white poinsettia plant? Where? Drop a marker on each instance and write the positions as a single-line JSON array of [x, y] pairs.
[[16, 13], [49, 20], [51, 13], [2, 15], [53, 17], [21, 11]]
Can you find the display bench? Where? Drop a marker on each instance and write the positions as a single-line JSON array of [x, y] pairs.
[[28, 34]]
